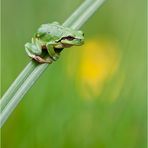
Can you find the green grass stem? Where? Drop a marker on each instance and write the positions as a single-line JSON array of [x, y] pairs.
[[32, 71]]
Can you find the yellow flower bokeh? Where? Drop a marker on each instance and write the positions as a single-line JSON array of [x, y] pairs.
[[96, 62]]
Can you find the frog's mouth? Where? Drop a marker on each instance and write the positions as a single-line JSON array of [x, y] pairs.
[[66, 45]]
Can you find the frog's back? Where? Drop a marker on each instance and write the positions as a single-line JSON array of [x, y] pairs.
[[54, 30]]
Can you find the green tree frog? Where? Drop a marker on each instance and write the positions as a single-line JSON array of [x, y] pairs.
[[52, 38]]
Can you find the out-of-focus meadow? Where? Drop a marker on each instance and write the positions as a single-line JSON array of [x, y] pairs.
[[94, 96]]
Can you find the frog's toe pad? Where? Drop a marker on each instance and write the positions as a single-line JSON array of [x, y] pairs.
[[41, 60]]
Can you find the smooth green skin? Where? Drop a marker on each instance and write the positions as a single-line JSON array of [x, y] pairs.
[[53, 38]]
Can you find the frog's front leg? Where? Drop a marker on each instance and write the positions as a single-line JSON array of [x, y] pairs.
[[50, 48], [34, 51]]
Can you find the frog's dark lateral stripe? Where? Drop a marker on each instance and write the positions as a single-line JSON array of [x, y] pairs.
[[70, 38]]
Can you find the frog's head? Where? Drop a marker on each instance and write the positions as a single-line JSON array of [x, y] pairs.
[[72, 38], [63, 36]]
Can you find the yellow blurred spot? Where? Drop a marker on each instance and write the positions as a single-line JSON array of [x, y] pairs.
[[97, 62]]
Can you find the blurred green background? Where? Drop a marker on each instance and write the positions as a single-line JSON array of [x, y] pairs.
[[94, 96]]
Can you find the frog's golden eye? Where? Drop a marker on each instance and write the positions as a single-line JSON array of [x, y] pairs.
[[70, 38]]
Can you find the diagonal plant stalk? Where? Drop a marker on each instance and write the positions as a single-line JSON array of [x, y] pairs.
[[17, 83], [33, 70]]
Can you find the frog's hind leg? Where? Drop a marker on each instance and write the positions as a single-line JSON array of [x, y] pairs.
[[34, 51], [41, 60]]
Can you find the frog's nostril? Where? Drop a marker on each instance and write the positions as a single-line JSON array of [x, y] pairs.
[[79, 40]]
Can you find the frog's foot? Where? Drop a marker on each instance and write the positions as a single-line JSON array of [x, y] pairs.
[[41, 60]]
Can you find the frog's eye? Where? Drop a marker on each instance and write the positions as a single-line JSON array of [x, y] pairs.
[[83, 34], [70, 38]]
